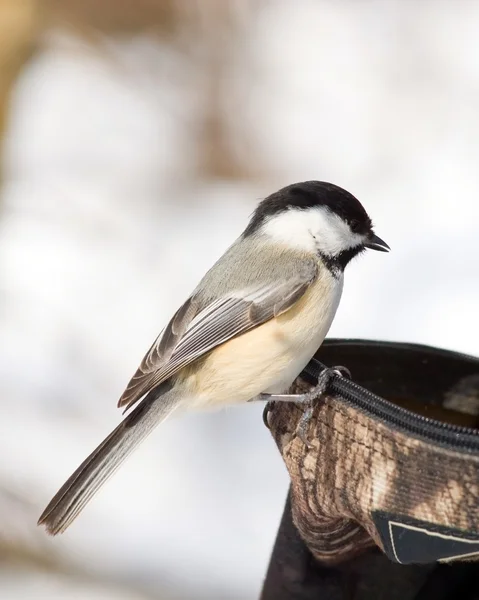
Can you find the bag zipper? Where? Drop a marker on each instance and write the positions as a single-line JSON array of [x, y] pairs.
[[454, 436]]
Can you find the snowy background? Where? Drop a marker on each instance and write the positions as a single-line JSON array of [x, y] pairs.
[[131, 159]]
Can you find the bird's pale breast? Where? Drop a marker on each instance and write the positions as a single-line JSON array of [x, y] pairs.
[[269, 357]]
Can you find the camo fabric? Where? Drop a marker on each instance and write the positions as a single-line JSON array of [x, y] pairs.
[[365, 482]]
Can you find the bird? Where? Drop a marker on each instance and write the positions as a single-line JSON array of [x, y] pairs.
[[246, 331]]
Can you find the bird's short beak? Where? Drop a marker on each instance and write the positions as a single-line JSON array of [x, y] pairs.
[[376, 243]]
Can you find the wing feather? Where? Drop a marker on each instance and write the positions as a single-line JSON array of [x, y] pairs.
[[195, 330]]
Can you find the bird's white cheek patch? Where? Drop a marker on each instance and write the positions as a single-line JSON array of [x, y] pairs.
[[291, 228], [312, 230], [331, 233]]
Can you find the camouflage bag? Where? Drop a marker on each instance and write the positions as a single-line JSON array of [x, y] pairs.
[[389, 488]]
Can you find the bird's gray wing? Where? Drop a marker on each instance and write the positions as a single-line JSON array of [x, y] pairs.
[[196, 329]]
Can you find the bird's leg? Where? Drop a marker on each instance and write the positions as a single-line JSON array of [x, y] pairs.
[[307, 399]]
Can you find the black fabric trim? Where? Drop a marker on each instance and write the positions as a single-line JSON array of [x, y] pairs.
[[407, 540]]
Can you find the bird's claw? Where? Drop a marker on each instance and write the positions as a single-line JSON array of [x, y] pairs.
[[303, 425], [307, 399], [267, 409]]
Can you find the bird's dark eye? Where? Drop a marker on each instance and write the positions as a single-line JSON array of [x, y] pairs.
[[355, 226]]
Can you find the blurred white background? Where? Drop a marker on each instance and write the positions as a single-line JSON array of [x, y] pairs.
[[137, 138]]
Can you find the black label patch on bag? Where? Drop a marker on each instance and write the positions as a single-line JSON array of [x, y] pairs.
[[409, 541]]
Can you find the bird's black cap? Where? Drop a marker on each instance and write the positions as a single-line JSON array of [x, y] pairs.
[[309, 194]]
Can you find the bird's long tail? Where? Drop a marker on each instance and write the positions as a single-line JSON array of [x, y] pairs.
[[79, 489]]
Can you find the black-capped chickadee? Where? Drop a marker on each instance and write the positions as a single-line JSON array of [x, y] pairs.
[[248, 329]]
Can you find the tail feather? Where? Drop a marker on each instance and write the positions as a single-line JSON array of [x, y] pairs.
[[80, 487]]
